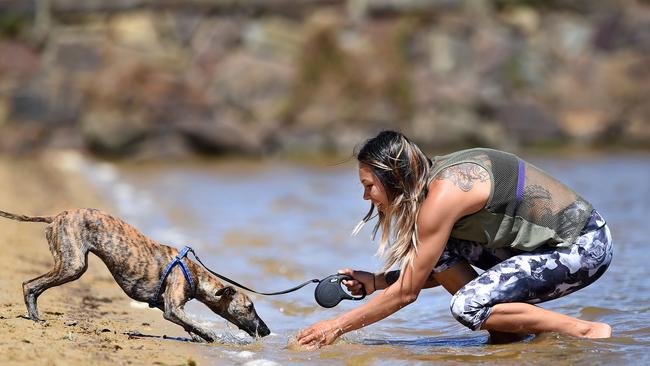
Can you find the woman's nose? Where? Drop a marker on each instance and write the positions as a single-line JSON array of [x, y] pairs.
[[366, 195]]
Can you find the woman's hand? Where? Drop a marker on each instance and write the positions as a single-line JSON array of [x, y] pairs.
[[320, 334], [360, 279]]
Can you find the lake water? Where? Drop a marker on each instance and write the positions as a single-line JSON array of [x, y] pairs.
[[272, 225]]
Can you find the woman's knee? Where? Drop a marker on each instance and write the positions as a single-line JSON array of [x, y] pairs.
[[470, 309]]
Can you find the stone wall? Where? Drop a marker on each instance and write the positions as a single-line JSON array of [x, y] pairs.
[[170, 78]]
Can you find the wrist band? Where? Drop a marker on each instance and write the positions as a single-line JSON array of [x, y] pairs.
[[391, 277], [374, 284]]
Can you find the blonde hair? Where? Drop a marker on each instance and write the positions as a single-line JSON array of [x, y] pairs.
[[403, 170]]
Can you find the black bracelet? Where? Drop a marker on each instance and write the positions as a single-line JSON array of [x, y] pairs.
[[374, 284]]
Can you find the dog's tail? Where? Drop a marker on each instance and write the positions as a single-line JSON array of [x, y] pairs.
[[45, 219]]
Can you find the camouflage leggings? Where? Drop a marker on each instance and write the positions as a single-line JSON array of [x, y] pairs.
[[511, 275]]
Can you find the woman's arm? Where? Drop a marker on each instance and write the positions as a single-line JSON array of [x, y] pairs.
[[446, 203], [371, 282], [396, 296]]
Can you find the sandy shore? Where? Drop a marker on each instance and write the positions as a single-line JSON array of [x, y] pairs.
[[87, 321]]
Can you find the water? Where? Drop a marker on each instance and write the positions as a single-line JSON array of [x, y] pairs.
[[273, 225]]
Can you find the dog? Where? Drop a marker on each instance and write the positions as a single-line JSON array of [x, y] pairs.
[[137, 264]]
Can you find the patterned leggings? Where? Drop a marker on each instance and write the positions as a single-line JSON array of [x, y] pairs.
[[512, 275]]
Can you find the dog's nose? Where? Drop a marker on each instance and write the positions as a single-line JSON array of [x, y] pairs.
[[263, 330]]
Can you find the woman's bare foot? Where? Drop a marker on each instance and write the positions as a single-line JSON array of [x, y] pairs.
[[503, 337], [599, 330]]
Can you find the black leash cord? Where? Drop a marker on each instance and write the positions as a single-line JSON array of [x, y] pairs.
[[249, 289]]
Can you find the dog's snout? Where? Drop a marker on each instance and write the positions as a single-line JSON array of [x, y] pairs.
[[263, 330]]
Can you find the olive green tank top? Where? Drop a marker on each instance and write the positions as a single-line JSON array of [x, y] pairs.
[[527, 208]]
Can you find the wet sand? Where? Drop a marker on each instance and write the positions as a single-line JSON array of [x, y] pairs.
[[87, 321]]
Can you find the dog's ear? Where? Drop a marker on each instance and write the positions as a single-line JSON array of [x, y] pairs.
[[226, 291]]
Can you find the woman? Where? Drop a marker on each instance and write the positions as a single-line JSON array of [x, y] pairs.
[[535, 238]]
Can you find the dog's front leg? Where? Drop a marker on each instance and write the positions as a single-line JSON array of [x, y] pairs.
[[177, 315], [174, 299]]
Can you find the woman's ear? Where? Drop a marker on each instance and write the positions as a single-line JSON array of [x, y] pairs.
[[225, 291]]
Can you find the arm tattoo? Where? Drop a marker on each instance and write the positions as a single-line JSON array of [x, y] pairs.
[[464, 175]]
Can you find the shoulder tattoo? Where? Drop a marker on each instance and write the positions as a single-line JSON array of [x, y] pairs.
[[464, 175]]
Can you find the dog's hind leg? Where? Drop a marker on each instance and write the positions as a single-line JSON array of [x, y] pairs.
[[70, 262]]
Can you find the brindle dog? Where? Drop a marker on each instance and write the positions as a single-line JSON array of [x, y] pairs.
[[137, 263]]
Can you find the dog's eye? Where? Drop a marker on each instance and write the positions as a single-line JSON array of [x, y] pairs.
[[249, 307]]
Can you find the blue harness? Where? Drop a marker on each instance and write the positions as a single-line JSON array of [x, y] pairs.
[[178, 260]]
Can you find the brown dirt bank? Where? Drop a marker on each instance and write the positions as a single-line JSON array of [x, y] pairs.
[[86, 320]]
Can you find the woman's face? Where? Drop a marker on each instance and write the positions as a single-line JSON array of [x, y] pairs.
[[373, 190]]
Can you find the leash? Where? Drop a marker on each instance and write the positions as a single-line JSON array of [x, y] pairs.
[[328, 293], [224, 278]]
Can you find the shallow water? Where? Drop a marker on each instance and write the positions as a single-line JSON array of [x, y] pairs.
[[274, 225]]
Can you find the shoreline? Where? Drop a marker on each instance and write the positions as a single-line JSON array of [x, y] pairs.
[[87, 321]]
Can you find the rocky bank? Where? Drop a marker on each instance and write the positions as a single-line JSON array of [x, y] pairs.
[[171, 78]]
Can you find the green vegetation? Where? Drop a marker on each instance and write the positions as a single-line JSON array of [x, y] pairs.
[[12, 25]]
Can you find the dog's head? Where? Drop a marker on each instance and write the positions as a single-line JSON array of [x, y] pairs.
[[237, 308]]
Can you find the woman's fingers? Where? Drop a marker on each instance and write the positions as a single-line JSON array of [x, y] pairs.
[[346, 271], [354, 286], [306, 340], [306, 336], [310, 338]]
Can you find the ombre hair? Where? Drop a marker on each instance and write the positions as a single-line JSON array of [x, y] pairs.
[[403, 170]]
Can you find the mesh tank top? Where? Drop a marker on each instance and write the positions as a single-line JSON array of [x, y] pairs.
[[526, 209]]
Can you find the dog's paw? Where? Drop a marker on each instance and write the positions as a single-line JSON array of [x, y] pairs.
[[196, 338], [206, 338], [33, 318]]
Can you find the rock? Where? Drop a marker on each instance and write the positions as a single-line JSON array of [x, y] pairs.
[[136, 30], [17, 60], [251, 92], [447, 53], [584, 124], [528, 67], [168, 78], [74, 53], [637, 131], [568, 36], [523, 18], [626, 78], [30, 104], [275, 38], [183, 25], [222, 135], [110, 131], [528, 122], [23, 138], [4, 110], [94, 6], [445, 127], [422, 7]]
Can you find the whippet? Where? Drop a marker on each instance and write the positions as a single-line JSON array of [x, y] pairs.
[[137, 263]]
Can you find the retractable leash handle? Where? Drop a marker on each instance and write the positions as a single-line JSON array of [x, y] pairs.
[[329, 292]]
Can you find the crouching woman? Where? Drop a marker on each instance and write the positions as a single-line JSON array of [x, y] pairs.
[[535, 239]]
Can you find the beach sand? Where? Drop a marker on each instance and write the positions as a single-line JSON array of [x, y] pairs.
[[87, 321]]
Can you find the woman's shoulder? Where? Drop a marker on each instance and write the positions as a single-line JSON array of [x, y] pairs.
[[464, 188], [464, 175]]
